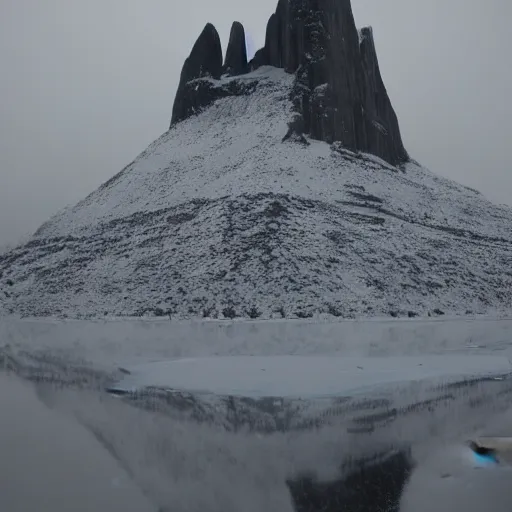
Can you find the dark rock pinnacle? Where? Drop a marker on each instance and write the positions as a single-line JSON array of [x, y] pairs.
[[236, 54], [338, 92], [205, 60]]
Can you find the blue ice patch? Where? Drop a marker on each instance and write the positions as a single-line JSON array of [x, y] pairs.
[[489, 459]]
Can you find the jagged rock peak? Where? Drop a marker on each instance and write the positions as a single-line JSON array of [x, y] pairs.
[[338, 89], [205, 60], [236, 54], [384, 130]]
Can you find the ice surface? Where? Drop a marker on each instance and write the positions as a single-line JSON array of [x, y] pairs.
[[112, 343], [183, 464], [447, 481], [51, 463], [305, 377]]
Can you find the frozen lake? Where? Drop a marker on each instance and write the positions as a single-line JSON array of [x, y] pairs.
[[124, 342], [194, 429]]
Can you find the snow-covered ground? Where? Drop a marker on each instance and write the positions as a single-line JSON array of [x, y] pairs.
[[180, 461], [235, 147], [220, 218]]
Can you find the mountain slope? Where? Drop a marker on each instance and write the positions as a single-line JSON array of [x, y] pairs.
[[220, 217]]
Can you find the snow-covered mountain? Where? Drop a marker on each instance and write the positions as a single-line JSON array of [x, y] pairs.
[[263, 200]]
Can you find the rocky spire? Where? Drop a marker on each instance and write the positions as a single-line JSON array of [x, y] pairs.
[[339, 90], [338, 94], [382, 123], [205, 60], [236, 54]]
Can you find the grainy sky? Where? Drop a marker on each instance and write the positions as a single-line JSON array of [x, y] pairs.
[[87, 85]]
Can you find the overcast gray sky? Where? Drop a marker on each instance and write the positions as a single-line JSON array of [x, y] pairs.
[[87, 85]]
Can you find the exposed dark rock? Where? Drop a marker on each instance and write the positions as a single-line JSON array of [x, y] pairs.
[[366, 197], [229, 312], [381, 121], [320, 42], [304, 314], [254, 313], [338, 90], [296, 130], [260, 59], [236, 54], [272, 42], [199, 94], [205, 60]]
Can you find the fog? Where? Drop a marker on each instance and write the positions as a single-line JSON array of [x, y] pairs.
[[86, 86]]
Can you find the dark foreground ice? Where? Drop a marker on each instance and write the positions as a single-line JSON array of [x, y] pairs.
[[71, 439]]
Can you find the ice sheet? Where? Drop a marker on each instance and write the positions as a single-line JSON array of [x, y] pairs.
[[305, 377]]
